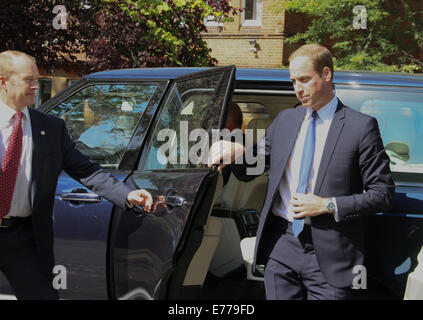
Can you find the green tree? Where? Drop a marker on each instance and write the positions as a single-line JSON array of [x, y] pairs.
[[29, 26], [391, 41], [112, 33], [148, 33]]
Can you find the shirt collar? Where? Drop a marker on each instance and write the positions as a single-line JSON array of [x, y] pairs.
[[6, 114], [327, 111]]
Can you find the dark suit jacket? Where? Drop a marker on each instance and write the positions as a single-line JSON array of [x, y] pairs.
[[53, 152], [353, 161]]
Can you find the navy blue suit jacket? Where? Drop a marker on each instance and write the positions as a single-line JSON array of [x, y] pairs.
[[353, 161], [54, 151]]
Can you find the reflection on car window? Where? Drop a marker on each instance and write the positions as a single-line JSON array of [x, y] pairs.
[[189, 107], [101, 118], [399, 112]]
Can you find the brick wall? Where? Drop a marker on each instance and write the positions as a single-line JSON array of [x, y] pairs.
[[230, 43], [236, 50]]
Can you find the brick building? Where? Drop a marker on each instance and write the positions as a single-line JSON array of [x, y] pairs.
[[52, 81], [255, 37]]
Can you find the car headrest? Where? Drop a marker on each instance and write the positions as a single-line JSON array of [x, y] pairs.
[[258, 123]]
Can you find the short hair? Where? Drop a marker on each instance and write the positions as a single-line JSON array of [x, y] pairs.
[[320, 56], [8, 59]]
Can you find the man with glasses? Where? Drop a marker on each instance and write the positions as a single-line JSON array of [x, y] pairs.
[[34, 149]]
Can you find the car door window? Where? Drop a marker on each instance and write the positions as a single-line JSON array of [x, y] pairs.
[[182, 134], [399, 112], [101, 118]]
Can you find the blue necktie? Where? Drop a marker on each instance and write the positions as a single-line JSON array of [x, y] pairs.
[[307, 157]]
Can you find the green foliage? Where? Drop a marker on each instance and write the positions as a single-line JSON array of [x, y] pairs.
[[139, 33], [391, 42], [27, 25], [113, 33]]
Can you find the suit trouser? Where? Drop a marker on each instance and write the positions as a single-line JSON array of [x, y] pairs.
[[21, 266], [292, 271]]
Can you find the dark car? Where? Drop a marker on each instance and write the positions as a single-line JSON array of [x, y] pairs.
[[147, 127]]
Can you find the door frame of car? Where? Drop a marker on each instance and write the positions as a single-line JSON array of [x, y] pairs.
[[193, 232]]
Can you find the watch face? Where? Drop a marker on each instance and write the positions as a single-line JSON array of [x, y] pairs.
[[331, 207]]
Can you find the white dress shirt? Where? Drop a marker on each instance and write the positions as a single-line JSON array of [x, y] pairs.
[[20, 206], [290, 178]]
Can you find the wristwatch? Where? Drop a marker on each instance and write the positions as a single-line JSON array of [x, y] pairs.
[[331, 206]]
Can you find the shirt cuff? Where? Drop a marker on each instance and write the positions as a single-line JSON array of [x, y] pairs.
[[128, 205], [335, 215]]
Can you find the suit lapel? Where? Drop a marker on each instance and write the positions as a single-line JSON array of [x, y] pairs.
[[331, 140], [38, 149]]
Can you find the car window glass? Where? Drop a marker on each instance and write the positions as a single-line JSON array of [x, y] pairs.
[[101, 118], [181, 136], [399, 112]]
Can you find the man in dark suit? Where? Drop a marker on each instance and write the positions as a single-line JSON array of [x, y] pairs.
[[34, 149], [328, 169]]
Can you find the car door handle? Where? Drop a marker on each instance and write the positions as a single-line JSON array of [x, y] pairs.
[[81, 195], [174, 201], [170, 201]]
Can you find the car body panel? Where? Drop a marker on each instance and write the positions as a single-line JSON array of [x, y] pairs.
[[144, 244], [81, 235]]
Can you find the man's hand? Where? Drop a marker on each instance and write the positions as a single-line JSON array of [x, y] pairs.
[[308, 205], [140, 197], [226, 151]]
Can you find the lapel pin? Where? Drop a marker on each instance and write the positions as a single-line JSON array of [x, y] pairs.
[[43, 133]]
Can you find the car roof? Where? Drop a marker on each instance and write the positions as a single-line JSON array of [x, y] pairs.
[[266, 75]]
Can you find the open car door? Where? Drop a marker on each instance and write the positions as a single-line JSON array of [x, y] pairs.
[[163, 251]]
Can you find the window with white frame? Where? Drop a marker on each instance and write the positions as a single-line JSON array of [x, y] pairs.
[[251, 14]]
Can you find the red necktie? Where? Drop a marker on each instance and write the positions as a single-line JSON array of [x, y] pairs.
[[10, 166]]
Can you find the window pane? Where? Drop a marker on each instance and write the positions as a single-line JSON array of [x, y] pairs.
[[101, 118], [399, 112], [44, 91], [188, 108], [250, 10]]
